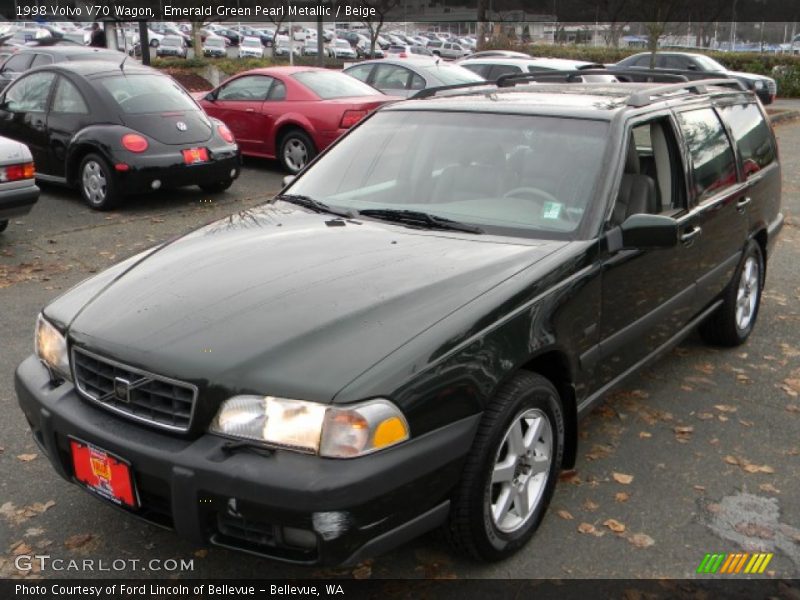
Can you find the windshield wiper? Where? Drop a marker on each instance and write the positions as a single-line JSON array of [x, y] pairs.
[[415, 217], [315, 205]]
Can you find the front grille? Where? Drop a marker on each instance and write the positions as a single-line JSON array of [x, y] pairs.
[[772, 87], [157, 400]]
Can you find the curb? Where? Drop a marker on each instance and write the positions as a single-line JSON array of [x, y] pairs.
[[783, 116]]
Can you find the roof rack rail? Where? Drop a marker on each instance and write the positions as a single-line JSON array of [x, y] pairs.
[[645, 97], [571, 75], [432, 91]]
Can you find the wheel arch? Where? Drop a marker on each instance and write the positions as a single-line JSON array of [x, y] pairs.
[[285, 126], [762, 240], [76, 154], [554, 365]]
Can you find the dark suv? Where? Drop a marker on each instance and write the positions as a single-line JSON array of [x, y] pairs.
[[407, 336]]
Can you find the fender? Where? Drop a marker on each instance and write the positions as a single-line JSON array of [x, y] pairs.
[[101, 138]]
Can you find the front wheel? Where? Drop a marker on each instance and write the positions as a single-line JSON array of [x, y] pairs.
[[296, 151], [154, 43], [510, 472], [732, 323], [97, 183]]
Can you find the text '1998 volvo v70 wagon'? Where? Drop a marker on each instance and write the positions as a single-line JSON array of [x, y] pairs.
[[406, 337]]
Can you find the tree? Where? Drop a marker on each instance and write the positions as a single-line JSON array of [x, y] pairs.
[[379, 10], [612, 12], [656, 16]]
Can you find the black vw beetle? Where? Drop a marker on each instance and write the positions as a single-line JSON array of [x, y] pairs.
[[116, 129]]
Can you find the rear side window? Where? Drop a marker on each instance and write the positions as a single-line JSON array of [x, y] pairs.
[[713, 163], [68, 99], [29, 94], [751, 135]]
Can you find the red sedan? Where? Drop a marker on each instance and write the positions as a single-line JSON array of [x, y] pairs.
[[290, 113]]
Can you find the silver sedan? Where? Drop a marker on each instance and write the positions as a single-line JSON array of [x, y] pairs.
[[18, 191]]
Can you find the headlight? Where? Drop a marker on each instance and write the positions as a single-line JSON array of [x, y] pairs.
[[331, 431], [51, 348], [759, 84]]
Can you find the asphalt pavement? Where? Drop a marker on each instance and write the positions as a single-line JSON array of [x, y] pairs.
[[699, 453]]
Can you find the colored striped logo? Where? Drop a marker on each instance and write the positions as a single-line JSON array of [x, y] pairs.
[[731, 564]]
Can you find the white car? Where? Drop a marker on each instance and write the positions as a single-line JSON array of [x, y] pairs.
[[18, 191], [492, 68], [342, 49], [251, 47]]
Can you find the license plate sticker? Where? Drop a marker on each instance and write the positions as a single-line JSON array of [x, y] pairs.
[[103, 473], [194, 156]]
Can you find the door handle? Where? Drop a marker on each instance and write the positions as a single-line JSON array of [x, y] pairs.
[[688, 236], [742, 203]]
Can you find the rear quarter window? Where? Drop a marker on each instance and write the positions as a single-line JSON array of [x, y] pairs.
[[713, 164], [752, 137]]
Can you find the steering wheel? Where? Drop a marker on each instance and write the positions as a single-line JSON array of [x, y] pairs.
[[531, 193]]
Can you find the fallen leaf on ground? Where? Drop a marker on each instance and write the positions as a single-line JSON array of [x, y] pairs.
[[792, 408], [78, 540], [622, 478], [570, 476], [27, 457], [727, 408], [641, 540], [768, 487], [745, 423], [565, 514], [590, 505], [706, 368], [751, 468], [33, 531], [755, 530], [699, 488], [621, 496], [598, 451], [614, 525], [705, 416], [645, 434], [20, 547], [589, 529], [362, 571]]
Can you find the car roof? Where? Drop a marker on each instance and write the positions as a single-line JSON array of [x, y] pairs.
[[95, 69], [552, 63], [599, 101], [67, 50]]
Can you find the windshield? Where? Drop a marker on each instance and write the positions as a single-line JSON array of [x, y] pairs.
[[252, 43], [709, 64], [215, 42], [514, 175], [332, 84], [138, 94], [342, 44], [450, 74]]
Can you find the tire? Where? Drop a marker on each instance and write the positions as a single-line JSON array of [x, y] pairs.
[[478, 526], [217, 187], [296, 151], [732, 323], [3, 225], [154, 43], [97, 183]]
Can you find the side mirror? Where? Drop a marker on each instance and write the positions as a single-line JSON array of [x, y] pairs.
[[647, 231], [210, 97], [288, 179]]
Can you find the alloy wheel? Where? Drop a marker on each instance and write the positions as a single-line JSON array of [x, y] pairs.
[[521, 469], [747, 294]]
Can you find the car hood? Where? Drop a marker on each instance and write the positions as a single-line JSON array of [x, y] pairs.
[[276, 300], [749, 76]]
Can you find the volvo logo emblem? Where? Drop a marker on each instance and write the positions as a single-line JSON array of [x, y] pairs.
[[122, 390], [181, 126]]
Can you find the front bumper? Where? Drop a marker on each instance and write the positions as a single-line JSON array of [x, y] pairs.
[[255, 501], [17, 201], [169, 169]]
